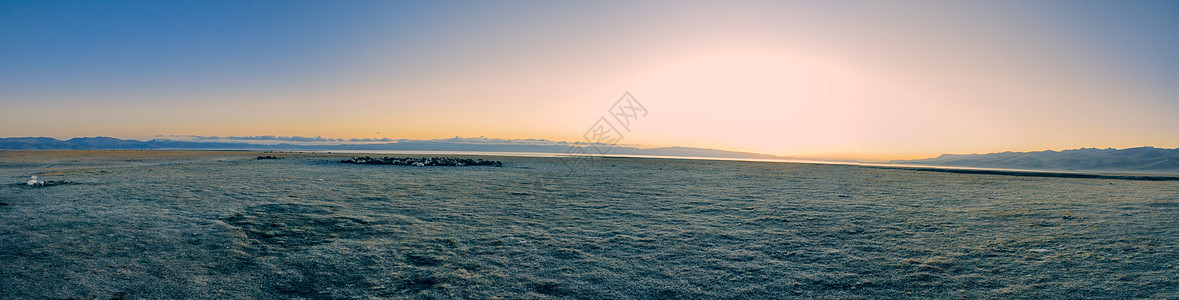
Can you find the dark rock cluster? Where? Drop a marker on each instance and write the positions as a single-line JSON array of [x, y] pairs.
[[422, 161], [269, 157]]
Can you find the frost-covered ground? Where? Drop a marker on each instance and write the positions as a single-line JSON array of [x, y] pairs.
[[163, 224]]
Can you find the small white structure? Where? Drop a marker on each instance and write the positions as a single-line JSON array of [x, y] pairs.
[[35, 182]]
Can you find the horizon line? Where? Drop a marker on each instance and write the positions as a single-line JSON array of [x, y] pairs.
[[273, 140]]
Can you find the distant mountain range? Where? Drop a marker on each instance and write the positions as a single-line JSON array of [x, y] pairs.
[[1134, 160], [109, 143]]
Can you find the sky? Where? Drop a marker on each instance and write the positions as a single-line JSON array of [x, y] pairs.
[[833, 79]]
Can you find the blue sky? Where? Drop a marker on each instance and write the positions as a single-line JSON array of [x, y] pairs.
[[895, 79]]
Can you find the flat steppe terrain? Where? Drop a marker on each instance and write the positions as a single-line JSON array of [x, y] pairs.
[[221, 224]]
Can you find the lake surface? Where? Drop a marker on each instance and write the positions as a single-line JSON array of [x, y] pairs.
[[221, 224]]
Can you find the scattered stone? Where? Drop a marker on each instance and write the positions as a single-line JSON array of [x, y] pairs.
[[422, 161], [269, 157], [35, 182], [39, 183]]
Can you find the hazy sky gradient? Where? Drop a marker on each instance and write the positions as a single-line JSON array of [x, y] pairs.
[[863, 79]]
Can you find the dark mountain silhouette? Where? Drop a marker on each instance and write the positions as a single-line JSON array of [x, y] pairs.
[[109, 143], [1135, 160]]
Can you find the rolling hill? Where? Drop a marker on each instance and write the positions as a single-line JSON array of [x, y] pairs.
[[1134, 160]]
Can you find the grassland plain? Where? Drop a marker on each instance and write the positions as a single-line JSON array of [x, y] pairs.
[[213, 224]]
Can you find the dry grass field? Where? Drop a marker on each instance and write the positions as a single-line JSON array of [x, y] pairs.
[[221, 224]]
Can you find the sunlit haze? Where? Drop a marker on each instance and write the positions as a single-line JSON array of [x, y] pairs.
[[828, 79]]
